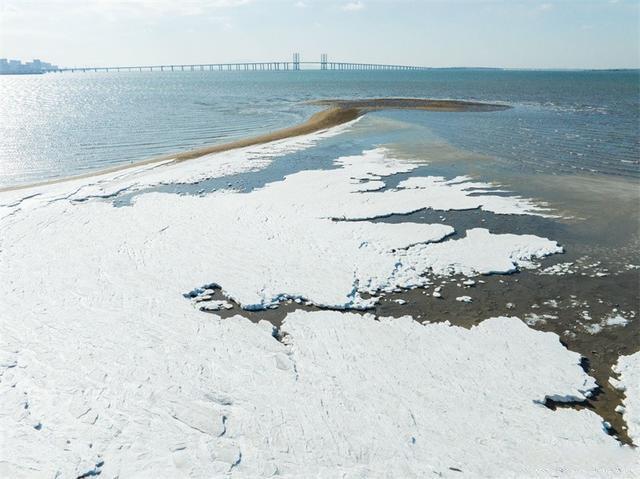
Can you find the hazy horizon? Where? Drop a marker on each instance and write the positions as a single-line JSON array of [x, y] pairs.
[[460, 34]]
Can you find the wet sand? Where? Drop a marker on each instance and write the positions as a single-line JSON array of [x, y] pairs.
[[377, 104], [337, 113]]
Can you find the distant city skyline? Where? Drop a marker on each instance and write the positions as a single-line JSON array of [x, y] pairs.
[[472, 33], [10, 66]]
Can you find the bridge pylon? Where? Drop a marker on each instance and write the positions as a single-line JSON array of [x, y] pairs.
[[323, 61], [296, 61]]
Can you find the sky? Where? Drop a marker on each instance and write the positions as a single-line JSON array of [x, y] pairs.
[[437, 33]]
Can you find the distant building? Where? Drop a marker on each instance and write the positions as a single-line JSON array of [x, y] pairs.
[[16, 67]]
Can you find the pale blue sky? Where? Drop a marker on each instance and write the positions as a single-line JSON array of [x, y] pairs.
[[513, 34]]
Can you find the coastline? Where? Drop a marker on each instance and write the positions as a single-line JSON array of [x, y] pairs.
[[338, 112], [200, 272]]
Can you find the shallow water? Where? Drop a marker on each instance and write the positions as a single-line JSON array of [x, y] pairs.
[[62, 124]]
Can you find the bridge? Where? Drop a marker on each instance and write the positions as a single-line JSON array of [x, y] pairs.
[[295, 64]]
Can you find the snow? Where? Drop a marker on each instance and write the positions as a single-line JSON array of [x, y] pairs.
[[616, 320], [464, 299], [438, 193], [628, 369], [135, 178], [593, 328], [264, 246], [214, 305], [532, 318], [481, 252], [559, 269], [223, 396], [108, 366]]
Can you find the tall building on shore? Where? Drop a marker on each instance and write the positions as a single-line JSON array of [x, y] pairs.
[[16, 67]]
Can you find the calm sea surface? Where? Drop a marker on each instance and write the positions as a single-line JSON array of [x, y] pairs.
[[62, 124]]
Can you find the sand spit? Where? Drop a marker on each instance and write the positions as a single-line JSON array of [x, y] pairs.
[[376, 104], [338, 113]]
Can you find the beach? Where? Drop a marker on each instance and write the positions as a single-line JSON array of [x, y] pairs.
[[431, 287]]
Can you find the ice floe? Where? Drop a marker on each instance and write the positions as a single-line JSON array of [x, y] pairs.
[[464, 299], [615, 319], [628, 370], [462, 193], [532, 318], [559, 269]]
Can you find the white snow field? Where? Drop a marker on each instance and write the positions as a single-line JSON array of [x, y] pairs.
[[179, 395], [106, 368]]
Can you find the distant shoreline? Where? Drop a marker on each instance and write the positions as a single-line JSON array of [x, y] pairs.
[[338, 111]]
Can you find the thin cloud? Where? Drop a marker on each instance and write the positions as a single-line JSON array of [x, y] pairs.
[[115, 8], [168, 7], [353, 6]]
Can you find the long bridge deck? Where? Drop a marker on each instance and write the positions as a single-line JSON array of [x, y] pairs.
[[244, 66]]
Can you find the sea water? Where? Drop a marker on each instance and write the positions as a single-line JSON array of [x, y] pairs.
[[57, 125]]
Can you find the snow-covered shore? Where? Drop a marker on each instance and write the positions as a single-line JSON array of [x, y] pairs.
[[107, 368]]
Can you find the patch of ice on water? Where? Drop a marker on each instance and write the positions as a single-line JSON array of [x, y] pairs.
[[615, 319], [464, 299], [628, 370], [214, 305], [532, 318], [438, 193], [593, 328], [559, 269]]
